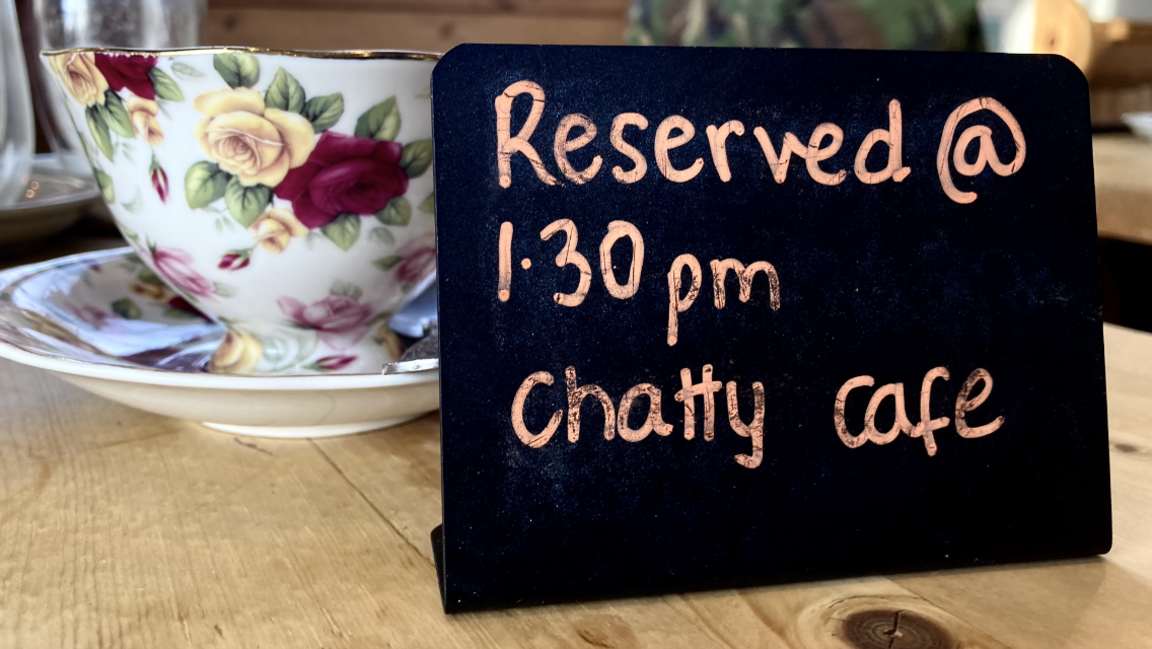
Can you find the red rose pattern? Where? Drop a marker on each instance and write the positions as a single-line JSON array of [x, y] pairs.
[[128, 71], [180, 304], [234, 261], [344, 174], [160, 183]]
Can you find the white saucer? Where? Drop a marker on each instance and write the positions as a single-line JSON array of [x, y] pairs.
[[100, 321], [54, 199], [1140, 123]]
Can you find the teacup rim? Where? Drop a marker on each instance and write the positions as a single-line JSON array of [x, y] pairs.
[[409, 55]]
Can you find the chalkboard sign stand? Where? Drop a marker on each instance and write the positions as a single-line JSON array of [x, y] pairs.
[[723, 317]]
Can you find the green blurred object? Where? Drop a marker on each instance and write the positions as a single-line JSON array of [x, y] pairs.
[[861, 24]]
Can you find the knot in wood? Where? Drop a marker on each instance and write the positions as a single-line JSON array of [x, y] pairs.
[[894, 629]]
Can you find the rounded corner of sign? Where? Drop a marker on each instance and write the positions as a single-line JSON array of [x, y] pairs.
[[1068, 68]]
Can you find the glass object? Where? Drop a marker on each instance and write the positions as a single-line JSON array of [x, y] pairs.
[[16, 127], [63, 24]]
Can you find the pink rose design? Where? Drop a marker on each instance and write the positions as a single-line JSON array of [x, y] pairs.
[[333, 363], [344, 174], [175, 267], [416, 265], [341, 320], [90, 315], [417, 260]]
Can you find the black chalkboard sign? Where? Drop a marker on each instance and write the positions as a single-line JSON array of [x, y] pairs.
[[721, 317]]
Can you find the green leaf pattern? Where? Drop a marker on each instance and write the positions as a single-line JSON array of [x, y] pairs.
[[324, 111], [98, 127], [246, 203], [417, 157], [285, 93], [205, 183], [381, 122], [165, 86], [347, 289], [185, 71], [115, 115], [382, 235], [224, 198], [105, 182], [127, 309], [387, 263], [237, 70], [344, 231], [397, 212]]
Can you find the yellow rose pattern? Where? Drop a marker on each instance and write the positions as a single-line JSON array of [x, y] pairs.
[[80, 77], [120, 94], [261, 140], [142, 113], [275, 228], [252, 139], [261, 145], [246, 138], [239, 354]]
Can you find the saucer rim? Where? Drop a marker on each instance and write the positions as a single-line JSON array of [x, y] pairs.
[[154, 376]]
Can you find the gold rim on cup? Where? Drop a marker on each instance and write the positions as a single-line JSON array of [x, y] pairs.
[[409, 55]]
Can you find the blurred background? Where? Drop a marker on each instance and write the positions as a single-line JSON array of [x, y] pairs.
[[1110, 40]]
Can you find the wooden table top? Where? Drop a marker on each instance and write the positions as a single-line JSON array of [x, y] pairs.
[[119, 528], [1123, 165]]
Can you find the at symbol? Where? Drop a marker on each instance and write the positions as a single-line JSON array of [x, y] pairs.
[[987, 153]]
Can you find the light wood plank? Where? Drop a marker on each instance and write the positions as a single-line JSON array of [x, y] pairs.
[[399, 472], [324, 29], [1129, 355], [125, 529], [120, 528], [1091, 603], [1015, 604], [1123, 167], [851, 614]]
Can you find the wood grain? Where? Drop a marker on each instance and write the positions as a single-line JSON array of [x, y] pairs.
[[119, 528], [329, 29], [1122, 54], [152, 532], [395, 471], [1079, 603], [1123, 167]]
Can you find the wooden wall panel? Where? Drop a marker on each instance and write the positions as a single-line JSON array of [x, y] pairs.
[[429, 31]]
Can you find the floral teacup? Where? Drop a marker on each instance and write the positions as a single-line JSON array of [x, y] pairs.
[[287, 195]]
